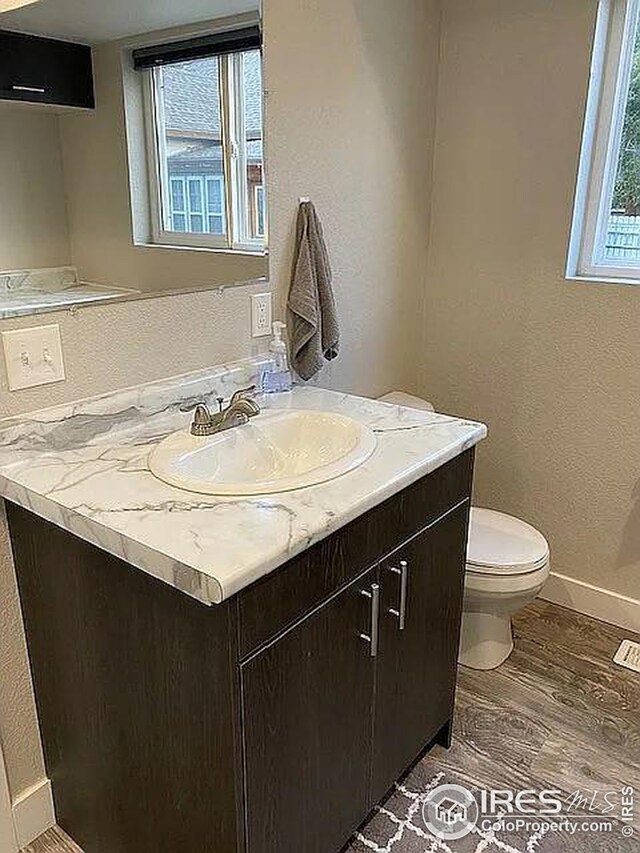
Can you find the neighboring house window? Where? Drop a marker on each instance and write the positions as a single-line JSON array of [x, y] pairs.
[[605, 240], [204, 127], [259, 211], [197, 204]]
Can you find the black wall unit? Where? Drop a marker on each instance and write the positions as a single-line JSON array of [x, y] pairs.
[[45, 71]]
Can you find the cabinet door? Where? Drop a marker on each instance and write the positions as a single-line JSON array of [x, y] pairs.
[[421, 594], [307, 716]]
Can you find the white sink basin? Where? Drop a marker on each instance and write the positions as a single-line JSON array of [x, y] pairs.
[[276, 452]]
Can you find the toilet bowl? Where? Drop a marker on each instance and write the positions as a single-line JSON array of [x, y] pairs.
[[508, 563], [507, 566]]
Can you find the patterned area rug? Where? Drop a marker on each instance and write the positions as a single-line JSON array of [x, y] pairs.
[[399, 827]]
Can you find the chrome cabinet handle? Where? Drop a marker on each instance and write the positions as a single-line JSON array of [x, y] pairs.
[[37, 90], [372, 638], [401, 614]]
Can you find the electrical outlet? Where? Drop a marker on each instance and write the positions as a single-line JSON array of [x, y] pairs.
[[33, 356], [261, 315]]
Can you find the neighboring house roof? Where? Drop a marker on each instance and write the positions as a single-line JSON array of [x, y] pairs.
[[191, 96], [206, 150]]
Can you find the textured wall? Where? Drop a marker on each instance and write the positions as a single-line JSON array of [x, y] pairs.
[[127, 343], [33, 224], [349, 122], [551, 365], [19, 733], [351, 118]]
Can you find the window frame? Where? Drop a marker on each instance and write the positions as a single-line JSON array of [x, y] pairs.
[[611, 68], [235, 213]]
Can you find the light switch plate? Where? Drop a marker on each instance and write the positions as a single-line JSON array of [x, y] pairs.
[[261, 315], [33, 356]]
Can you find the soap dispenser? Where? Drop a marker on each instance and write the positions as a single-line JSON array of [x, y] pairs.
[[277, 377]]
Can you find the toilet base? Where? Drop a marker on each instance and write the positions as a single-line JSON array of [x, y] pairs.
[[486, 640]]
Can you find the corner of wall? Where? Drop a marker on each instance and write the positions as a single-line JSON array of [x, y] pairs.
[[33, 812], [19, 729]]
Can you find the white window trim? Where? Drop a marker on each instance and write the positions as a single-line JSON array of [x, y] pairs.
[[232, 122], [237, 161], [604, 121]]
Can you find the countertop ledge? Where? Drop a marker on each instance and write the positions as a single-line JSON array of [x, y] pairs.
[[84, 468]]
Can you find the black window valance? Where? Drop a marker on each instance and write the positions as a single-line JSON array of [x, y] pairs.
[[198, 47]]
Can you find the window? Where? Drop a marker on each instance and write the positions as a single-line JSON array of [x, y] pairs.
[[605, 241], [259, 211], [205, 140], [197, 204]]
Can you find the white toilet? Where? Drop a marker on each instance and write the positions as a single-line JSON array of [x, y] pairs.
[[507, 565]]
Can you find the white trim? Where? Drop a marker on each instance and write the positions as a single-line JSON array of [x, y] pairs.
[[33, 812], [8, 840], [593, 601], [159, 189], [236, 226], [611, 66], [238, 136]]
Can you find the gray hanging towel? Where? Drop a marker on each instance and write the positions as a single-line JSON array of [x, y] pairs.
[[313, 319]]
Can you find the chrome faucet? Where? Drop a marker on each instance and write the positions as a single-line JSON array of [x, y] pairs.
[[240, 410]]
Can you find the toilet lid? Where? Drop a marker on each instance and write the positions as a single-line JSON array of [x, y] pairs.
[[502, 544]]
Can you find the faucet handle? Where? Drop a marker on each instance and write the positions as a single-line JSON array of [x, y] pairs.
[[202, 415], [189, 407], [243, 394], [200, 410]]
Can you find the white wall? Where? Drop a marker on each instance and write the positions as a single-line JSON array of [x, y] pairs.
[[33, 220], [551, 365], [351, 118]]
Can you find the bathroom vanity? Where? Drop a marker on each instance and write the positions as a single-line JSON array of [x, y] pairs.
[[248, 674]]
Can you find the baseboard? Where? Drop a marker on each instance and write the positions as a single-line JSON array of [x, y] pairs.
[[33, 812], [593, 601]]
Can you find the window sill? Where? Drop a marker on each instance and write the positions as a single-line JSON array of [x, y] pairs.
[[607, 280], [214, 250]]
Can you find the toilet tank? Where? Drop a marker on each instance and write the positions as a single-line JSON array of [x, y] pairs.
[[399, 398]]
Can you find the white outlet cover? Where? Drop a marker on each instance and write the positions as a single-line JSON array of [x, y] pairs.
[[261, 315], [33, 356]]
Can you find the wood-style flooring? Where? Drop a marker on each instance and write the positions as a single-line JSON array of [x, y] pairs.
[[53, 841], [558, 714]]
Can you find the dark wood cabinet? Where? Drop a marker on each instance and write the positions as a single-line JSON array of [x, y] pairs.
[[307, 719], [422, 587], [271, 723], [45, 71]]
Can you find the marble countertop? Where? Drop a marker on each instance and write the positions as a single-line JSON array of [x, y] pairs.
[[19, 303], [84, 467], [37, 291]]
